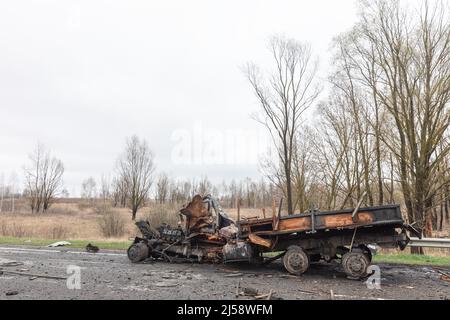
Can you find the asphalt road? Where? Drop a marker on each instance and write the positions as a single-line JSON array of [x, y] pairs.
[[61, 273]]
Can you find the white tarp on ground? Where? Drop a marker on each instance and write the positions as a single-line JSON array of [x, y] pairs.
[[59, 244]]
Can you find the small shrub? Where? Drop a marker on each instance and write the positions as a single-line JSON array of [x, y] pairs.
[[111, 224], [84, 205], [3, 228], [57, 232], [62, 209], [163, 213], [14, 230]]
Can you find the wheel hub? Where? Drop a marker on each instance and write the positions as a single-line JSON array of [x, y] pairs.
[[355, 264], [296, 261]]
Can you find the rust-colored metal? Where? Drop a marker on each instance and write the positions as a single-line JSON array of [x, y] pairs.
[[197, 215], [334, 221], [259, 241]]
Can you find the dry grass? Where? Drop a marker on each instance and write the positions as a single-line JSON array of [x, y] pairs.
[[76, 219], [162, 213], [13, 229], [248, 213], [19, 229], [111, 223], [67, 220]]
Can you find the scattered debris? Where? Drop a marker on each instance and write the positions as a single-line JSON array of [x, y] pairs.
[[444, 275], [406, 287], [445, 278], [59, 244], [91, 248], [289, 276], [249, 291], [11, 264], [306, 291], [267, 296], [238, 274], [252, 292], [33, 275], [165, 284]]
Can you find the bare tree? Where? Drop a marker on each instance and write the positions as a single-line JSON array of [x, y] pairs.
[[89, 189], [105, 188], [162, 188], [404, 59], [204, 186], [136, 169], [284, 96], [2, 190], [13, 189], [120, 192], [43, 179]]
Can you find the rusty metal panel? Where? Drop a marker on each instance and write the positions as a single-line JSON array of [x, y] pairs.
[[324, 220], [260, 241]]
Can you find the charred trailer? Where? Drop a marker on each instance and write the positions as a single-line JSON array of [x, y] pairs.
[[346, 235]]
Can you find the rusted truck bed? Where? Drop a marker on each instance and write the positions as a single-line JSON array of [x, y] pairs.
[[323, 221]]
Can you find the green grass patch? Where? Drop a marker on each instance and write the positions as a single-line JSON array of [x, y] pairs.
[[102, 244], [414, 259]]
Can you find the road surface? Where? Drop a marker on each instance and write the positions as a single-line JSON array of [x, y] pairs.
[[63, 273]]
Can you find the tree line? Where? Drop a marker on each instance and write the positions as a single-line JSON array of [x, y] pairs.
[[382, 132]]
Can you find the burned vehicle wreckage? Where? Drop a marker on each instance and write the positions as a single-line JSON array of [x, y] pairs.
[[206, 234]]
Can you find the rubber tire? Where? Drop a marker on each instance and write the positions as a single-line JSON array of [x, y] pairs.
[[355, 264], [296, 261], [138, 252], [366, 251]]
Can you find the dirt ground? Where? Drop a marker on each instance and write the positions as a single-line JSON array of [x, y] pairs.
[[109, 275]]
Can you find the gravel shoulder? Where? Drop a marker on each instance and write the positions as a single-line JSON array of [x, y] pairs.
[[28, 274]]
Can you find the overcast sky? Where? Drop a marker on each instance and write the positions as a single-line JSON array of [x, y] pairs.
[[81, 76]]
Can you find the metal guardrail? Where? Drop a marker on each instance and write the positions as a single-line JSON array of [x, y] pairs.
[[430, 242]]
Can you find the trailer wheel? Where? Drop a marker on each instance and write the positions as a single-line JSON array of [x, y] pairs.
[[365, 249], [296, 261], [355, 264], [138, 252]]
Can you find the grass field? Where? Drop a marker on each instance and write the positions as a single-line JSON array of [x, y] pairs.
[[413, 259]]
